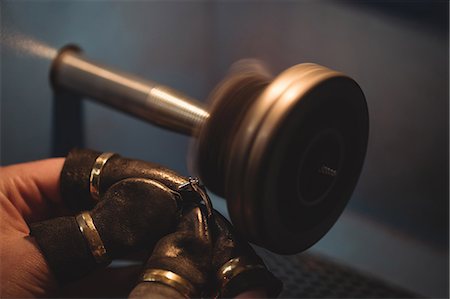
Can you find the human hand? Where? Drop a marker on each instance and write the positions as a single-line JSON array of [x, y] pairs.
[[29, 192]]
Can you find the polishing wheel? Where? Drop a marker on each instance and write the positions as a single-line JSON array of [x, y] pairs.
[[292, 155]]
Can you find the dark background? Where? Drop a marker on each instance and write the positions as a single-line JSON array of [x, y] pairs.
[[396, 225]]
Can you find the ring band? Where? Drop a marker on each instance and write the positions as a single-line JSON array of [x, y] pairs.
[[182, 285], [232, 268], [90, 233], [94, 179]]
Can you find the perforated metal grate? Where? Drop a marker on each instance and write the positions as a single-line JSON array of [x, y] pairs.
[[310, 276]]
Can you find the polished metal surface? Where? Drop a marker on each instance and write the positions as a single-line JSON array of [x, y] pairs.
[[93, 239], [145, 99], [233, 268], [94, 178], [171, 279]]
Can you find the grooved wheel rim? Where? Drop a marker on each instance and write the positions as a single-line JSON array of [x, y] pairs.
[[251, 211]]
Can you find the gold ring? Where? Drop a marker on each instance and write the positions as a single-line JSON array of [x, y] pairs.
[[232, 268], [90, 233], [94, 179], [182, 285]]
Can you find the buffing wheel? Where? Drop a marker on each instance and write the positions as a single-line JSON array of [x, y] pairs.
[[285, 154]]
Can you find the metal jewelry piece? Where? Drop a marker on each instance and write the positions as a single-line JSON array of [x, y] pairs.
[[90, 233], [94, 179], [194, 184], [232, 268], [171, 279]]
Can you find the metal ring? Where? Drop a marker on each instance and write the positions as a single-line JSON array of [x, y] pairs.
[[94, 179], [92, 237], [232, 268], [194, 184], [182, 285]]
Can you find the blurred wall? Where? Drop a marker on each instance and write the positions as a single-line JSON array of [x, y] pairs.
[[397, 52]]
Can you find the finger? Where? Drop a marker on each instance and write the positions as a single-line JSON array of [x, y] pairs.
[[23, 271], [133, 214], [32, 189]]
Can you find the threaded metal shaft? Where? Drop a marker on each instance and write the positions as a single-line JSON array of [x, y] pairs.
[[145, 99]]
